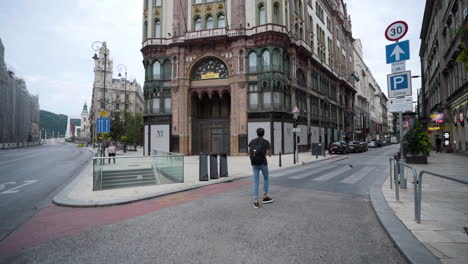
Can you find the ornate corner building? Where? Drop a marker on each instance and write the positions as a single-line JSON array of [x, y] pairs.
[[118, 95], [218, 70]]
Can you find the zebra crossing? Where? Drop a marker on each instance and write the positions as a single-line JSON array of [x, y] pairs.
[[339, 173]]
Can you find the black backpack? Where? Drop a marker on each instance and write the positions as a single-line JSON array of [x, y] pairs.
[[257, 152]]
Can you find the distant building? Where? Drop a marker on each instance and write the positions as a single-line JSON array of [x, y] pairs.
[[85, 130], [115, 92], [19, 110], [445, 82]]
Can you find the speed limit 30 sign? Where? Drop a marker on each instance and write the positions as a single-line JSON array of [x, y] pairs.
[[397, 30]]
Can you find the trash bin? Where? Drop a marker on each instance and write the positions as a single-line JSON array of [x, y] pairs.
[[223, 165], [214, 166], [203, 167]]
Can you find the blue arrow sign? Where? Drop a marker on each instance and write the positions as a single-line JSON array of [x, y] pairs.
[[399, 51], [103, 125]]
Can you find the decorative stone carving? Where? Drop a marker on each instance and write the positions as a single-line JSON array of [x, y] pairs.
[[210, 68]]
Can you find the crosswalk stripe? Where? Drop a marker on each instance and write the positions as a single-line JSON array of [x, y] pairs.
[[310, 172], [332, 174], [294, 170], [357, 176]]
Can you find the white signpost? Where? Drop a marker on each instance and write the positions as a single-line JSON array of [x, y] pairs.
[[399, 67], [399, 82], [404, 104]]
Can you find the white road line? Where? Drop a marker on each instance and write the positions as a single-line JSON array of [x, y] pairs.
[[332, 174], [313, 171], [293, 170], [26, 157], [14, 190], [357, 176]]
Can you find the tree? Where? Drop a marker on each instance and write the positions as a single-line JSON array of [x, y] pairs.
[[134, 126], [117, 127]]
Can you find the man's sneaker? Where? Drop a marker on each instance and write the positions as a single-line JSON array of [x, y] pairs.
[[267, 200], [255, 205]]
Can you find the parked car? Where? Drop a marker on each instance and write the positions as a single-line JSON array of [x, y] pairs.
[[364, 145], [372, 144], [354, 146], [338, 147], [378, 143]]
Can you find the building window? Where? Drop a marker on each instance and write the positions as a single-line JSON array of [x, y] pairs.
[[157, 29], [261, 14], [253, 96], [300, 77], [276, 13], [209, 22], [221, 21], [156, 70], [157, 3], [156, 105], [266, 60], [210, 68], [167, 104], [198, 1], [252, 61], [319, 11], [145, 30], [198, 24], [276, 60], [117, 106], [167, 70], [145, 4], [329, 24]]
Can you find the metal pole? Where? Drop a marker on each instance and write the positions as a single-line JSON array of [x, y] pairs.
[[125, 111], [104, 97], [402, 153], [294, 148]]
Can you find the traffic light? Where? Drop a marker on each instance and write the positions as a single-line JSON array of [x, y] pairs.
[[296, 122]]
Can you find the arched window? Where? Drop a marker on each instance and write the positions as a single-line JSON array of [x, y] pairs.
[[296, 31], [300, 77], [156, 70], [266, 60], [209, 22], [252, 61], [261, 14], [145, 30], [157, 29], [198, 24], [301, 34], [210, 68], [276, 59], [221, 21], [167, 70], [276, 13]]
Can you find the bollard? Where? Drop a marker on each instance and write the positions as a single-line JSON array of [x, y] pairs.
[[214, 166], [223, 165], [203, 167], [280, 159]]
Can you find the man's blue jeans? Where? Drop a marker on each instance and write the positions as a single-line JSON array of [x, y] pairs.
[[256, 170]]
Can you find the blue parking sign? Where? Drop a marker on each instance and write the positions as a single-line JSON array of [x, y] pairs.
[[103, 125], [399, 84]]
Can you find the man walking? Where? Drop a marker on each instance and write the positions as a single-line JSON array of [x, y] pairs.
[[258, 148]]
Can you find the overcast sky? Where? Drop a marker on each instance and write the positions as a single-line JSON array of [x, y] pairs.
[[48, 42]]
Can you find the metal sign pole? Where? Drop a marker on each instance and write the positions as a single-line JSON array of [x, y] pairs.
[[402, 155]]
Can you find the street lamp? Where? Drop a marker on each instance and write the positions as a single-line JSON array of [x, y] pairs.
[[120, 68], [96, 47]]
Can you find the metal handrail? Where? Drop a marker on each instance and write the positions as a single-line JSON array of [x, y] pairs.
[[418, 194]]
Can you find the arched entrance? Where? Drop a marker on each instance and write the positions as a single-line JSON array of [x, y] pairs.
[[211, 122], [210, 107]]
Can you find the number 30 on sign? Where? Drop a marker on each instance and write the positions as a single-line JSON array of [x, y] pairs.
[[397, 30]]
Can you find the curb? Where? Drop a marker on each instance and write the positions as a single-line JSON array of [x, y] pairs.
[[62, 199], [409, 246]]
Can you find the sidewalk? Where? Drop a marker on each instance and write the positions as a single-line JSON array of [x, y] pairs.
[[444, 209], [79, 192]]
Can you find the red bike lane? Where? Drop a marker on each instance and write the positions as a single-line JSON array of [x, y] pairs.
[[54, 222]]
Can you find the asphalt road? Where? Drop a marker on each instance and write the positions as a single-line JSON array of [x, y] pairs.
[[322, 215], [30, 177]]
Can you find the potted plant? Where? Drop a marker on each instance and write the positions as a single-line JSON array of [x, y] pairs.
[[417, 145]]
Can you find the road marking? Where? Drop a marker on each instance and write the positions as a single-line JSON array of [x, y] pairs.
[[314, 171], [15, 190], [332, 174], [25, 157], [357, 176], [3, 185], [292, 170]]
